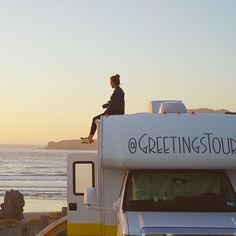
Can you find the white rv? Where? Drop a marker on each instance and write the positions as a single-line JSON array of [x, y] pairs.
[[156, 174]]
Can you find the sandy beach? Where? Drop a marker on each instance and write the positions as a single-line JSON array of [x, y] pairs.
[[43, 205], [37, 213], [33, 222]]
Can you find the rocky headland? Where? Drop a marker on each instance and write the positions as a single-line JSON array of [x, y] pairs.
[[209, 111], [74, 144]]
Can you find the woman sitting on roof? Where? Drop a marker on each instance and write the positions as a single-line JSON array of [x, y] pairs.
[[116, 106]]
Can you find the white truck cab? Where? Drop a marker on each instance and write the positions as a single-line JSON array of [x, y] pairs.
[[156, 174]]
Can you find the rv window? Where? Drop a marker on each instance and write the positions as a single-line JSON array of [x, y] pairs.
[[83, 176], [184, 190]]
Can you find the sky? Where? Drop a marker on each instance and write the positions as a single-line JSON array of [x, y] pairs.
[[56, 58]]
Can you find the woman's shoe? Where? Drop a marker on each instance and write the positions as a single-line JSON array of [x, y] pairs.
[[86, 140]]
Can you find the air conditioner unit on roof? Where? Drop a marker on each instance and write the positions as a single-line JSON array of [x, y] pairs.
[[167, 106]]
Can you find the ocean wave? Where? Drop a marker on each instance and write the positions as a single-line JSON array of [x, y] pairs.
[[37, 173]]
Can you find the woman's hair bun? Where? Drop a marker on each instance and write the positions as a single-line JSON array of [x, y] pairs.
[[117, 76]]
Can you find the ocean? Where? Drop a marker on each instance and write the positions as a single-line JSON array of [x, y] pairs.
[[38, 173]]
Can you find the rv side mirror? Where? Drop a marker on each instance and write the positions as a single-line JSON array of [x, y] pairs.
[[89, 196]]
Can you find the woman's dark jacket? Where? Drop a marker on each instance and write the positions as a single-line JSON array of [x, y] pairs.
[[116, 106]]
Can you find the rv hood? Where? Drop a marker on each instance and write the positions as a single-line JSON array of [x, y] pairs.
[[140, 220]]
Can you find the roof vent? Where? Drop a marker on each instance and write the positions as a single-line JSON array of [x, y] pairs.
[[154, 106]]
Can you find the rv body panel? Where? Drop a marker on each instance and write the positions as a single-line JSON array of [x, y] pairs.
[[99, 219], [82, 221], [111, 182], [169, 141]]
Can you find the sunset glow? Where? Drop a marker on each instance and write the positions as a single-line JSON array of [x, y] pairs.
[[57, 56]]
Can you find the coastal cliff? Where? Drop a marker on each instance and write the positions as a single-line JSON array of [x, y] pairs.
[[74, 144]]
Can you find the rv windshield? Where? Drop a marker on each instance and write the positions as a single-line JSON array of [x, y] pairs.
[[186, 191]]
